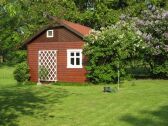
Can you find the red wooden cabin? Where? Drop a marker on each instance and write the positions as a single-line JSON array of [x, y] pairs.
[[55, 53]]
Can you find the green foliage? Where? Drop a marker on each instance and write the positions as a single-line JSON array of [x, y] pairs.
[[159, 3], [153, 27], [16, 57], [100, 16], [108, 48], [43, 72], [22, 18], [139, 71], [161, 71], [21, 72]]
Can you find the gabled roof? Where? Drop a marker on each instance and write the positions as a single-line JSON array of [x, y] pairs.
[[83, 30], [76, 28]]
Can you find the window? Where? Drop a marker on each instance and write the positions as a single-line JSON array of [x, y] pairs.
[[50, 33], [74, 58]]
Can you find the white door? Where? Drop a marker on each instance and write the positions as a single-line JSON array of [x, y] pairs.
[[47, 65]]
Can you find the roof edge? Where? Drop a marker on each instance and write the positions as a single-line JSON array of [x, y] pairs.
[[32, 37], [60, 23]]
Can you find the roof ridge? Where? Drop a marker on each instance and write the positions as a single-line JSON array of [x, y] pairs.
[[84, 30], [75, 27]]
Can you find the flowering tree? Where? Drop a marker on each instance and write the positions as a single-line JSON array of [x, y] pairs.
[[143, 39], [153, 29], [109, 47]]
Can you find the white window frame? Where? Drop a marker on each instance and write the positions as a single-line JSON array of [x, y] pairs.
[[50, 36], [69, 51]]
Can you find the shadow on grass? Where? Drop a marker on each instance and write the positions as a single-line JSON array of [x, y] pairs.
[[149, 118], [18, 101]]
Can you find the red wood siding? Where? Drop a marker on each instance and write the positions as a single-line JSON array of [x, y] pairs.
[[60, 35], [63, 40]]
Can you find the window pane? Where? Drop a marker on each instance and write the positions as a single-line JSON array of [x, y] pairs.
[[77, 61], [72, 54], [72, 61], [50, 33], [78, 54]]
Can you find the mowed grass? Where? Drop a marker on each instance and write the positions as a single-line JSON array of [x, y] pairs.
[[6, 76], [137, 103]]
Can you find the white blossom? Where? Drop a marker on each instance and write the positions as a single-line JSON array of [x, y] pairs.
[[165, 15], [139, 32]]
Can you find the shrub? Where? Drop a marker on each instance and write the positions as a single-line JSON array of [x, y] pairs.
[[139, 71], [21, 72], [110, 49], [161, 71]]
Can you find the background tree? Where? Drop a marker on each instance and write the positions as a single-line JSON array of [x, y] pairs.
[[22, 18], [153, 28]]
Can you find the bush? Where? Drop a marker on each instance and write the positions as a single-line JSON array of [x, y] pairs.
[[160, 71], [139, 72], [110, 49], [21, 73]]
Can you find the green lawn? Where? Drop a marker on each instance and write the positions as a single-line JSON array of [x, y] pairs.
[[144, 103], [6, 76]]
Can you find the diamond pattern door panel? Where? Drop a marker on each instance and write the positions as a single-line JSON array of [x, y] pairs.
[[47, 65]]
